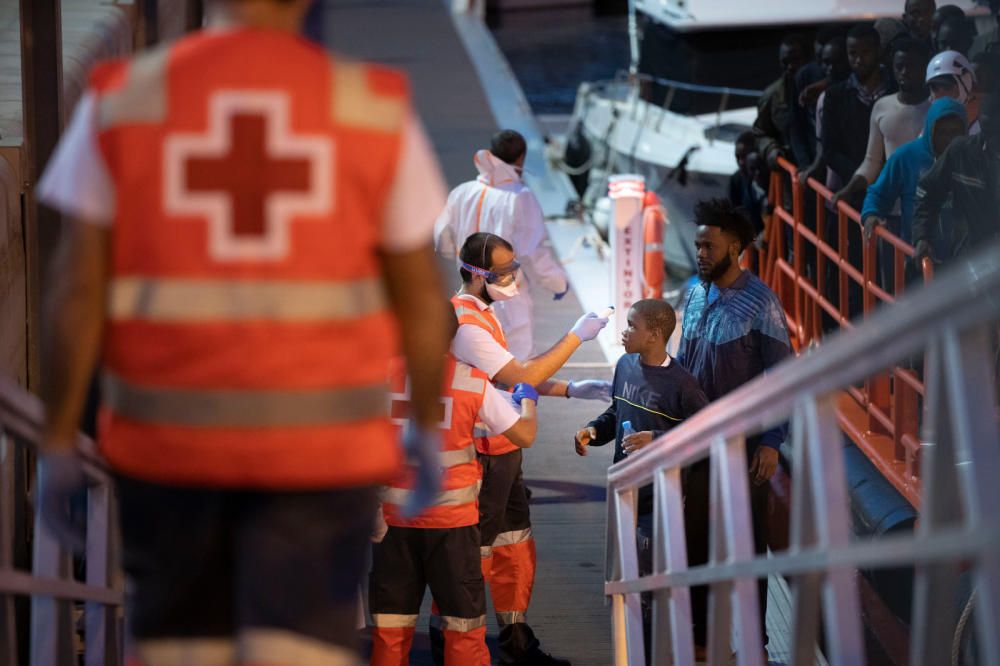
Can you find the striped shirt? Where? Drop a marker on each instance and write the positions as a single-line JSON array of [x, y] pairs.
[[732, 335]]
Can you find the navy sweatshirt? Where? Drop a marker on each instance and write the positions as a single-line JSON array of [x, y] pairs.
[[653, 398]]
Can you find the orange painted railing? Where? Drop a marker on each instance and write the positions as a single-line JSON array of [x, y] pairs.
[[882, 416]]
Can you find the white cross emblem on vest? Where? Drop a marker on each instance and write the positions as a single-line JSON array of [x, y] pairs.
[[399, 408], [248, 175]]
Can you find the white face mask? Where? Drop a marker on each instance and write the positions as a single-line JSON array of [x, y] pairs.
[[502, 293]]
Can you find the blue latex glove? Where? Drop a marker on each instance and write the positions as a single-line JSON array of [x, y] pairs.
[[522, 391], [423, 451], [588, 326], [62, 498], [589, 389], [559, 296]]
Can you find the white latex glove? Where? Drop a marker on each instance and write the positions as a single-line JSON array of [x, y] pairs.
[[588, 326], [423, 451], [589, 389]]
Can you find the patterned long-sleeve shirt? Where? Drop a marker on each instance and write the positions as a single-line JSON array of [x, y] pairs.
[[731, 336]]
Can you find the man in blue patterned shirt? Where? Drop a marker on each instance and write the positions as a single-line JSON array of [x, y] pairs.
[[734, 329]]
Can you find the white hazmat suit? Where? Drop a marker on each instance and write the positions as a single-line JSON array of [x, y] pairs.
[[498, 202]]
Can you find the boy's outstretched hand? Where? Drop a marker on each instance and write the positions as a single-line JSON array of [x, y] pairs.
[[635, 441], [583, 438]]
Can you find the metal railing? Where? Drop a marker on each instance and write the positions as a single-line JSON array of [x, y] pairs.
[[881, 415], [50, 583], [628, 88], [954, 319]]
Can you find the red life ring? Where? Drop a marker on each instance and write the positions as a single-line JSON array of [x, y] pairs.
[[654, 220]]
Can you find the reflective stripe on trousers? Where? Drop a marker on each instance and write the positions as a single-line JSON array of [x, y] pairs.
[[511, 538], [505, 618], [243, 408], [462, 624], [172, 651], [275, 646], [202, 301], [394, 621], [464, 495]]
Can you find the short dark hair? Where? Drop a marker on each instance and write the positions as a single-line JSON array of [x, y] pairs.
[[477, 250], [960, 25], [828, 32], [865, 31], [508, 145], [797, 39], [747, 139], [728, 217], [946, 12], [906, 44], [657, 315]]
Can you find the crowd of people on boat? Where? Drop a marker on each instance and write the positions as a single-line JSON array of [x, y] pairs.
[[899, 119]]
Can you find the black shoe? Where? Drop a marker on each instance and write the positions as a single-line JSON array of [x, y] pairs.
[[538, 658]]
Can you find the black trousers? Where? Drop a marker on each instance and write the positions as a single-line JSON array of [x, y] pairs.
[[696, 523], [207, 563], [410, 559]]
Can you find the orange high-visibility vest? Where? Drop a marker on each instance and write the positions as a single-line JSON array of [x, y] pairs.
[[457, 504], [248, 337], [468, 313]]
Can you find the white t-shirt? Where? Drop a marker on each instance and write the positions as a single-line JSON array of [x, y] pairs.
[[77, 181], [498, 413], [474, 345]]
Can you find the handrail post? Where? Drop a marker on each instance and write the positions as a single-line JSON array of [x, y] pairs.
[[797, 216], [41, 88], [8, 505], [51, 619]]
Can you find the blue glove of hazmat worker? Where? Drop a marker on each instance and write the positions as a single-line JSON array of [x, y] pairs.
[[62, 497], [423, 451], [588, 326], [522, 391]]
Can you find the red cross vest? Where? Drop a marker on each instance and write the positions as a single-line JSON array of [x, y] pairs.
[[469, 313], [248, 337], [457, 504]]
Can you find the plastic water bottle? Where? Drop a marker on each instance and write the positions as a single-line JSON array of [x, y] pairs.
[[626, 431]]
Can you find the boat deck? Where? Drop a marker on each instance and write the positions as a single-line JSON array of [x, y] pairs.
[[464, 91]]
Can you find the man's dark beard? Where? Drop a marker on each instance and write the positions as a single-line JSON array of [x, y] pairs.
[[717, 271]]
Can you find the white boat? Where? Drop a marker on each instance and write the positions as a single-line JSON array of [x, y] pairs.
[[657, 122]]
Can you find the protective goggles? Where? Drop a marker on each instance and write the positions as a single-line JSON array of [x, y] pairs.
[[506, 276]]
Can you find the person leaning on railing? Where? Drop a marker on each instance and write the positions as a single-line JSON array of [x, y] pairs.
[[776, 106], [734, 330], [897, 184], [969, 173]]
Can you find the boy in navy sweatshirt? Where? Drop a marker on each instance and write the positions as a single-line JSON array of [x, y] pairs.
[[653, 392]]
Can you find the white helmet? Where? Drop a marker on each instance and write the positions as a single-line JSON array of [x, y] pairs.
[[956, 65]]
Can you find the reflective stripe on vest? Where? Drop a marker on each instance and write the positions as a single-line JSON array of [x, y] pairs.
[[399, 496], [143, 97], [457, 506], [356, 105], [475, 314], [182, 300], [460, 457], [486, 443], [248, 296], [243, 408]]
